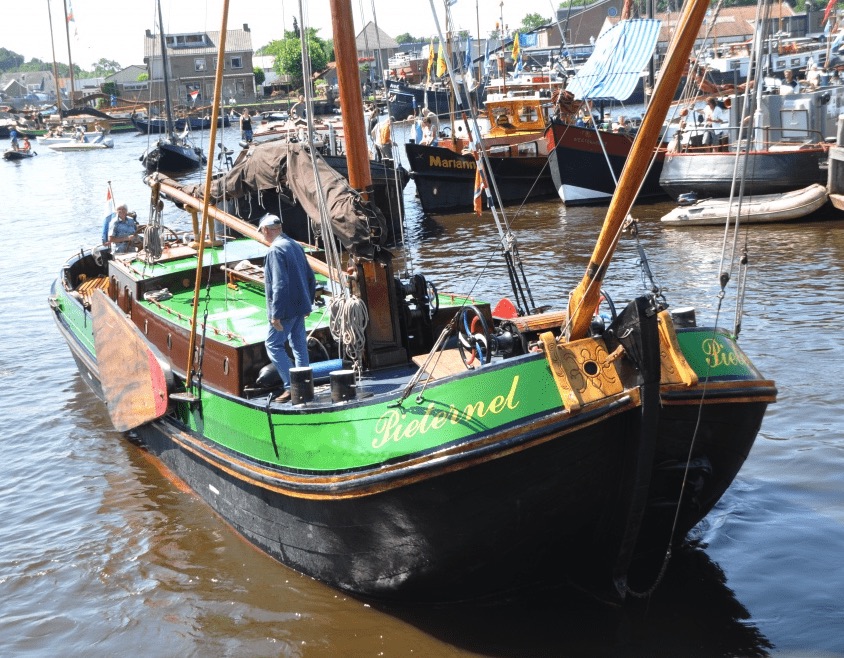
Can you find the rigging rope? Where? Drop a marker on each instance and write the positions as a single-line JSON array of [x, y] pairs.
[[349, 319]]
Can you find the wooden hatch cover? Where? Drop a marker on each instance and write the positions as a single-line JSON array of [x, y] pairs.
[[134, 380]]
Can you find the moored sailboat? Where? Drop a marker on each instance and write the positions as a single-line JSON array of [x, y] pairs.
[[524, 455], [587, 156], [173, 153]]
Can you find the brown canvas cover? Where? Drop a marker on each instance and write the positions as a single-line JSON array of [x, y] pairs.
[[286, 168]]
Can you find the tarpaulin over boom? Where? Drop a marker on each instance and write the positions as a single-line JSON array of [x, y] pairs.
[[616, 64], [273, 166]]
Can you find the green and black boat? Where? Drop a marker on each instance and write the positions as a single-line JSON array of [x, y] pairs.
[[437, 449]]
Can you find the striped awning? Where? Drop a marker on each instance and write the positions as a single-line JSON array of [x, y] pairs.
[[616, 64]]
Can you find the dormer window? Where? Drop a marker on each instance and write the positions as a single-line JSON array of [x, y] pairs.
[[186, 40]]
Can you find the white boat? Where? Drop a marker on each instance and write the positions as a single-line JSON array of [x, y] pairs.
[[100, 142], [761, 209], [44, 140]]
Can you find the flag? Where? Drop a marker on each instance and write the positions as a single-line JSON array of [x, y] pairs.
[[480, 186], [441, 65], [516, 50], [108, 214], [194, 94], [829, 7], [430, 58], [70, 21], [487, 63], [468, 59]]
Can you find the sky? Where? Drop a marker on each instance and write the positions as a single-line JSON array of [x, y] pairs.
[[113, 29]]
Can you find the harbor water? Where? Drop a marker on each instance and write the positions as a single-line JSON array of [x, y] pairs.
[[102, 553]]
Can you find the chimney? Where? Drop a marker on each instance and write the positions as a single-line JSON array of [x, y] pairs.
[[149, 34], [246, 27]]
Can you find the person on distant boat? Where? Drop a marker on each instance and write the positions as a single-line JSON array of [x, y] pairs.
[[122, 230], [382, 137], [813, 77], [26, 146], [416, 123], [299, 109], [13, 135], [788, 85], [290, 288], [712, 121], [429, 137], [246, 126]]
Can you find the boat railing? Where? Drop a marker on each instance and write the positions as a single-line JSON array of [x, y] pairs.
[[698, 139]]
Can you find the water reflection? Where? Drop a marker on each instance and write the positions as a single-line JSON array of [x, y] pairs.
[[693, 612]]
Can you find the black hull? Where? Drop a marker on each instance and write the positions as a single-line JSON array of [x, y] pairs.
[[401, 106], [17, 155], [159, 126], [171, 158], [445, 180], [579, 167], [764, 172]]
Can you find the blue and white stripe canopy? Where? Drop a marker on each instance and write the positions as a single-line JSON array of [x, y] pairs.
[[616, 64]]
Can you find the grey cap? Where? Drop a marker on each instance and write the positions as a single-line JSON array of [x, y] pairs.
[[269, 220]]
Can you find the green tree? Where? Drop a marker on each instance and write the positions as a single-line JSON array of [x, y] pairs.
[[533, 21], [9, 60], [143, 77], [288, 53], [259, 75], [105, 67], [407, 38]]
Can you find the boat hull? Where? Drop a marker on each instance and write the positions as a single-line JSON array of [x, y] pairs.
[[171, 158], [762, 172], [578, 163], [17, 155], [159, 126], [445, 180]]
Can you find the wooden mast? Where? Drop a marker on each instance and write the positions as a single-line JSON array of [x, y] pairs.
[[69, 59], [585, 297], [164, 66], [55, 67], [209, 170], [348, 77], [373, 281]]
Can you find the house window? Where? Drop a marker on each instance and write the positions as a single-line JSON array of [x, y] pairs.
[[237, 62], [199, 64]]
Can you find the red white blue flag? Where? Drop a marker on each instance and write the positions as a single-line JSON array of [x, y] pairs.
[[108, 214]]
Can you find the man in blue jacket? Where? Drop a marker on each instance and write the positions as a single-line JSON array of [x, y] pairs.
[[290, 287]]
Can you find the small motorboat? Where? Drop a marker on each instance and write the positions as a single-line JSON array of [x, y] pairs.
[[99, 142], [760, 209]]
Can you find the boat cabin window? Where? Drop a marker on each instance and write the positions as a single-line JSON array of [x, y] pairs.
[[528, 149], [528, 114]]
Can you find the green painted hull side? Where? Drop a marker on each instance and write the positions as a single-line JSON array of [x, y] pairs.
[[715, 354], [371, 433]]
